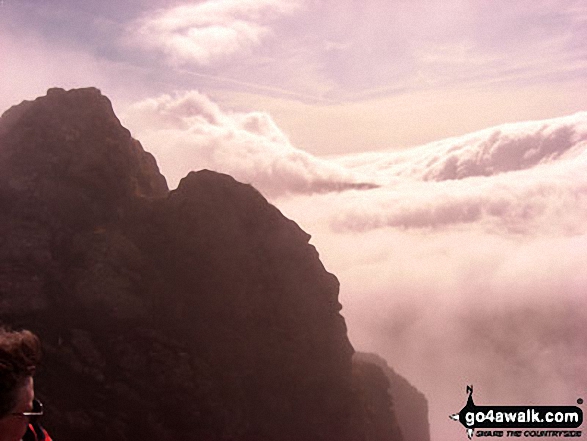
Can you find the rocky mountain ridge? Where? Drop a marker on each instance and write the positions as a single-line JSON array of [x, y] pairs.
[[197, 313]]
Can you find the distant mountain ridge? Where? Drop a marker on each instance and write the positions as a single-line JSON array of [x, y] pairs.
[[198, 313]]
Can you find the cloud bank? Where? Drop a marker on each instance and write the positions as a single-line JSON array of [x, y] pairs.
[[504, 148], [550, 198], [210, 31], [190, 132], [525, 178]]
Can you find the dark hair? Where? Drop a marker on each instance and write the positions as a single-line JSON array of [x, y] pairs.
[[20, 352]]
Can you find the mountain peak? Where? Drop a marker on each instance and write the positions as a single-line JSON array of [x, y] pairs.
[[74, 138], [197, 313]]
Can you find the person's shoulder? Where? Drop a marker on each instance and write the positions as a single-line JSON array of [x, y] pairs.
[[45, 435], [36, 433]]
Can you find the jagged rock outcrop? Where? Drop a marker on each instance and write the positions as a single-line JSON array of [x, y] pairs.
[[410, 407], [200, 313]]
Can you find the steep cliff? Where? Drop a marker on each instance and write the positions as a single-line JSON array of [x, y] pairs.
[[410, 407], [200, 313]]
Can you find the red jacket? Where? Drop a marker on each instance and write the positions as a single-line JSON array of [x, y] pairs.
[[36, 433]]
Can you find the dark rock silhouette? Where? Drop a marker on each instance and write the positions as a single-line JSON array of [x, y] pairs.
[[410, 406], [376, 406], [200, 313]]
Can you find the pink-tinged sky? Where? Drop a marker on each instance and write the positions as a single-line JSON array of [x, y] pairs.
[[463, 261], [337, 76]]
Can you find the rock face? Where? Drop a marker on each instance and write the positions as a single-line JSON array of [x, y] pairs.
[[410, 406], [200, 313], [376, 406]]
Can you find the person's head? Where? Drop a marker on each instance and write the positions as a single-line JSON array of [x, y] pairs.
[[20, 352]]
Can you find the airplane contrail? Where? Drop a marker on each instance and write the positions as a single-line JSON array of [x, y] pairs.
[[260, 87]]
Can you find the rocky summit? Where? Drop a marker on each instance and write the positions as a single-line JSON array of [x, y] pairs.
[[200, 313]]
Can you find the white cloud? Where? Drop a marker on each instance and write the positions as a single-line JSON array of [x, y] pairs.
[[206, 32], [546, 198], [515, 178], [190, 132], [504, 148]]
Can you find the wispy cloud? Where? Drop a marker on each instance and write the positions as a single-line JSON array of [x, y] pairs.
[[207, 32]]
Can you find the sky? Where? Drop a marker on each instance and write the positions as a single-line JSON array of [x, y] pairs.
[[336, 76], [434, 150]]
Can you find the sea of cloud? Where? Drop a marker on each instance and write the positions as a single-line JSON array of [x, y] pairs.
[[462, 262]]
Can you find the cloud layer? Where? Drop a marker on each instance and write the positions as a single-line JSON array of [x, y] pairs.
[[190, 132], [508, 147], [550, 198]]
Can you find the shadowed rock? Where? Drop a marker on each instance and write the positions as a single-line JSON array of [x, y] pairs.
[[410, 406], [200, 313]]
